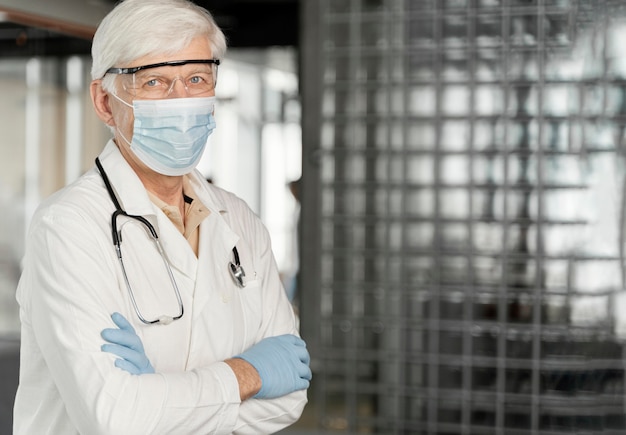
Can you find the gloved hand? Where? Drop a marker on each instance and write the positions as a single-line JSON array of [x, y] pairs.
[[282, 363], [126, 344]]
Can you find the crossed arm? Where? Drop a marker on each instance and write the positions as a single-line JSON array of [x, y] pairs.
[[273, 367]]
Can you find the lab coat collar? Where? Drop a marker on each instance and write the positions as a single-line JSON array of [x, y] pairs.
[[127, 186], [133, 196], [222, 237]]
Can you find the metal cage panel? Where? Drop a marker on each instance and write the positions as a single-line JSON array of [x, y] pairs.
[[465, 215]]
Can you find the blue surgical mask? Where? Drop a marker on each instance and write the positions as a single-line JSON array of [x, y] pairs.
[[170, 135]]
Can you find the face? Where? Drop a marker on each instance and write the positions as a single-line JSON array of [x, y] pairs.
[[120, 116]]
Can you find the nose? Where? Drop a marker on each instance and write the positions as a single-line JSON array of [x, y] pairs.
[[177, 90]]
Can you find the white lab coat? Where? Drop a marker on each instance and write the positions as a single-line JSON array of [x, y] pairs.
[[72, 282]]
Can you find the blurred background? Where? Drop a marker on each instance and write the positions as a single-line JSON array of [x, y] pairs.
[[443, 181]]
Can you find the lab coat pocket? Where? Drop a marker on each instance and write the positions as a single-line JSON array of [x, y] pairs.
[[252, 309]]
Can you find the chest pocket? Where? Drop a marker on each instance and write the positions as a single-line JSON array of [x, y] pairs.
[[227, 318]]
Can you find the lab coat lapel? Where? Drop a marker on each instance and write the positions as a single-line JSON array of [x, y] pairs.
[[126, 184], [216, 243]]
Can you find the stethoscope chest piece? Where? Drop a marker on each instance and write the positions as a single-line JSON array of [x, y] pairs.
[[237, 272], [235, 269]]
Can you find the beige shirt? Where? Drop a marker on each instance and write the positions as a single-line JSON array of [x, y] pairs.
[[195, 212]]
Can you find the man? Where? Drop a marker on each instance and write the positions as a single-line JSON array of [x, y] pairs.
[[150, 300]]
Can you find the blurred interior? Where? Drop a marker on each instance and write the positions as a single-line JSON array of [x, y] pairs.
[[51, 134]]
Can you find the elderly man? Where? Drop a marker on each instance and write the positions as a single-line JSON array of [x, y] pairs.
[[150, 300]]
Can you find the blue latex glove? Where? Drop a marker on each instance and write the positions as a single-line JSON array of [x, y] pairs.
[[126, 344], [282, 363]]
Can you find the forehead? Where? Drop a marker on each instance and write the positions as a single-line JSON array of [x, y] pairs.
[[199, 48]]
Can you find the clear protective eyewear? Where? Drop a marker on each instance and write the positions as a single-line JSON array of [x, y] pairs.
[[155, 81]]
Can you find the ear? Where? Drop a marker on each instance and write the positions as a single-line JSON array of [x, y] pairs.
[[100, 101]]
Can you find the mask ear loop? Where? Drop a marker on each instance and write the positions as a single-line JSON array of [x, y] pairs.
[[129, 105], [122, 101]]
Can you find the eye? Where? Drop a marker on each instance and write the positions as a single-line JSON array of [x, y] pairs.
[[196, 80], [149, 81]]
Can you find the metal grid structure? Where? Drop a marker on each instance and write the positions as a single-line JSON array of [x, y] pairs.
[[463, 215]]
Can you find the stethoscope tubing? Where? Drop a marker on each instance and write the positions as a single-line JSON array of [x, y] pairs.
[[236, 270]]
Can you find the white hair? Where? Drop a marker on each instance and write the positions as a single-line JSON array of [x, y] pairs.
[[136, 28]]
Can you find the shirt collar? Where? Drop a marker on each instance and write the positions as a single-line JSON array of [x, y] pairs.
[[195, 211]]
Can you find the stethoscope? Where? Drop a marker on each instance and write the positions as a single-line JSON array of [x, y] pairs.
[[235, 269]]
